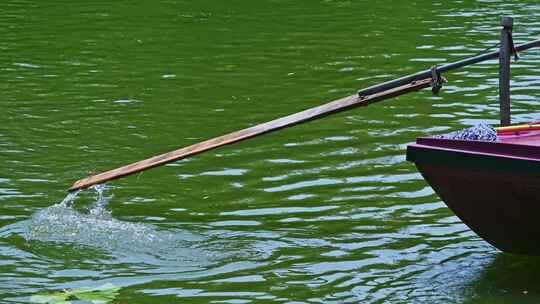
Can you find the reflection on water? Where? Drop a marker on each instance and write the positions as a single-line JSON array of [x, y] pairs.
[[507, 279], [327, 212], [146, 253]]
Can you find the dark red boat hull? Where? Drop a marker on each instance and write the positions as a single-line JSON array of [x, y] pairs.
[[493, 187]]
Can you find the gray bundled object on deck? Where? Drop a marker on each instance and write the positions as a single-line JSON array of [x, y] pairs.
[[481, 131]]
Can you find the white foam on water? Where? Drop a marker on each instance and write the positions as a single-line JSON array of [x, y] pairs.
[[61, 223]]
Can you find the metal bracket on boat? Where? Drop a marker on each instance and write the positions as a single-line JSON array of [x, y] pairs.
[[416, 85], [437, 80]]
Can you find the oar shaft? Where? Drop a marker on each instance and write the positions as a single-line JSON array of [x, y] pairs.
[[280, 123], [441, 69]]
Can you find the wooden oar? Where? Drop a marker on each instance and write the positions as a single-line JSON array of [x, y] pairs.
[[366, 96], [280, 123]]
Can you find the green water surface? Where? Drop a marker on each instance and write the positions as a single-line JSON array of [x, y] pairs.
[[326, 212]]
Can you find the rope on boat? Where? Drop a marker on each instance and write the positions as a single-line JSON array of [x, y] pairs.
[[481, 131], [437, 80], [512, 46]]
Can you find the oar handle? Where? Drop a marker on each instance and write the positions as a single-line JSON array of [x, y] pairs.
[[442, 69]]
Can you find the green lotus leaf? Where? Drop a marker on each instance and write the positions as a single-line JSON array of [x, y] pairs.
[[99, 295], [56, 298]]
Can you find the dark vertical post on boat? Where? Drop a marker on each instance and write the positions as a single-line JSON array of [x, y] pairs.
[[504, 70]]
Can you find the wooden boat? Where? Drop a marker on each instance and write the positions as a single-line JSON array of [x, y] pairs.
[[493, 187]]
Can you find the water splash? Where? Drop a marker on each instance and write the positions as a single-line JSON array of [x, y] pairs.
[[70, 198], [98, 208], [61, 223]]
